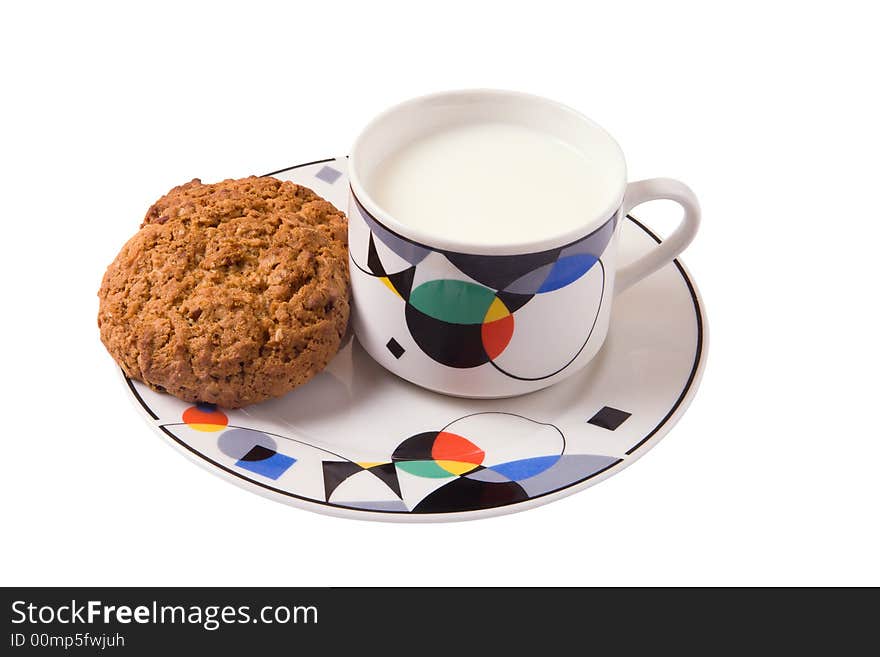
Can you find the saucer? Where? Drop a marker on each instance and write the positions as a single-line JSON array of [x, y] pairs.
[[359, 442]]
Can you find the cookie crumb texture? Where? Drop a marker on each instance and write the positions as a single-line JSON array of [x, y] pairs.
[[230, 293]]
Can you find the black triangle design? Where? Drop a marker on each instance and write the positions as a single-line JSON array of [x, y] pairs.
[[335, 472], [497, 272], [514, 301], [387, 472], [403, 281], [373, 261]]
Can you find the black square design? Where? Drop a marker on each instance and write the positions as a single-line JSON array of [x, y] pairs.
[[609, 418], [395, 348]]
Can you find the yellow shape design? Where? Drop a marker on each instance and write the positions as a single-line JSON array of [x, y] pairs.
[[370, 464], [496, 311], [390, 285], [207, 427], [456, 467]]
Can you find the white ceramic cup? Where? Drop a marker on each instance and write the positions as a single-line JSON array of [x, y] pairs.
[[501, 320]]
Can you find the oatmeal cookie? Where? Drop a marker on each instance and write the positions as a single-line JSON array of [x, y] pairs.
[[229, 293]]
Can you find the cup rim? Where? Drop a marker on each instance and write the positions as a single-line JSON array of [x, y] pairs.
[[440, 242]]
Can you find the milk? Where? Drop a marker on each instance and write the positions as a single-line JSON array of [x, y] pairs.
[[489, 183]]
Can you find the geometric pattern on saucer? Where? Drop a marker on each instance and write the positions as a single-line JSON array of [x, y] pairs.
[[479, 461]]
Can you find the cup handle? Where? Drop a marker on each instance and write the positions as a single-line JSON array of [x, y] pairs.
[[651, 190]]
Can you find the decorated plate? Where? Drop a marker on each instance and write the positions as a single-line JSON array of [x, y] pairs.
[[359, 442]]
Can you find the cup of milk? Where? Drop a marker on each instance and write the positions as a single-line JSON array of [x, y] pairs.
[[483, 234]]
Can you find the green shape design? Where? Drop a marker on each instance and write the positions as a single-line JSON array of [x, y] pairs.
[[455, 302], [424, 469]]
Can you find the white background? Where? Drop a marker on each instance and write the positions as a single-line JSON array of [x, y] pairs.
[[769, 111]]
